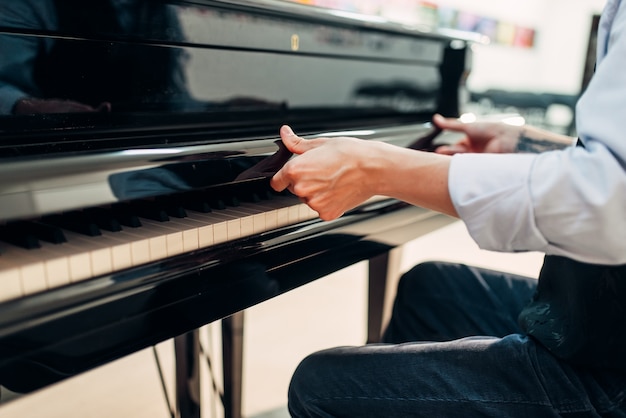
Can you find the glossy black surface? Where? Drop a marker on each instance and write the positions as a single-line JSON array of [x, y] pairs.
[[187, 101], [189, 67]]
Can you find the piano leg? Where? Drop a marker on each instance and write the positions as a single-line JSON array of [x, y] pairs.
[[187, 352], [383, 271], [232, 356], [377, 287]]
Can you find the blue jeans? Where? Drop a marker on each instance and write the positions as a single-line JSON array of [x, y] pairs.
[[453, 348]]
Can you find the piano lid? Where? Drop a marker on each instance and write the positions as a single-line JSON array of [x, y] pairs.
[[81, 76], [93, 94]]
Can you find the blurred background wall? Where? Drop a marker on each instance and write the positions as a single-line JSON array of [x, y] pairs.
[[534, 63]]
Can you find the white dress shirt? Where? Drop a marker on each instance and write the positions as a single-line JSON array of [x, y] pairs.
[[571, 202]]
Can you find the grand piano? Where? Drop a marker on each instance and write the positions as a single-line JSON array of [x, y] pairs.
[[136, 143]]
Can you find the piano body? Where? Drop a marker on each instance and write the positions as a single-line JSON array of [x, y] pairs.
[[150, 214]]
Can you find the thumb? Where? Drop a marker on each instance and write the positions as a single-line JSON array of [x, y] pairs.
[[293, 142]]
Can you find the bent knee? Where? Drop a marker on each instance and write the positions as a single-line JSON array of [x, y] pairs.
[[311, 382], [428, 277]]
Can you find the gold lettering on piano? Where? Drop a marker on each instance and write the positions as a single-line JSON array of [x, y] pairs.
[[295, 42]]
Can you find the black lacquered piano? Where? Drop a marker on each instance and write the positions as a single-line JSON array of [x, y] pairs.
[[137, 139]]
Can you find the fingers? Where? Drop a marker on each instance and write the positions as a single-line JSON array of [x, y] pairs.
[[280, 181], [452, 149], [448, 123]]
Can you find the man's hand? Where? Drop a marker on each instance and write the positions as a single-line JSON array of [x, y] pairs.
[[499, 137], [330, 175], [480, 137]]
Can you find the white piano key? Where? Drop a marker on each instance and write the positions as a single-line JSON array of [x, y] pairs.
[[220, 221], [150, 242], [169, 241], [140, 252], [32, 269], [282, 217], [33, 276], [233, 230], [56, 264], [11, 285], [143, 242], [225, 227], [54, 260], [247, 226], [246, 222], [101, 262], [191, 240], [268, 217], [269, 212], [213, 230], [80, 266], [306, 213], [97, 249], [276, 211], [220, 232], [190, 228], [258, 223], [205, 236], [294, 214], [121, 257], [147, 243], [99, 255], [119, 246], [158, 248], [10, 280]]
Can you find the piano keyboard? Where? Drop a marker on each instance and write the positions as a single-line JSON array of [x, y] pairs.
[[25, 271]]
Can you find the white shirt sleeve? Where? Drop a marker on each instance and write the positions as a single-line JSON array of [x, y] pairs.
[[571, 202]]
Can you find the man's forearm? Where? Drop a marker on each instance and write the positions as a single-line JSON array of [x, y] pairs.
[[416, 177]]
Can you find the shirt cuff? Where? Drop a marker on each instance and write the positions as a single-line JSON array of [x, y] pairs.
[[491, 194]]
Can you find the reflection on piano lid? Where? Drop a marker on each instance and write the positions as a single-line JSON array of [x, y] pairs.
[[135, 152]]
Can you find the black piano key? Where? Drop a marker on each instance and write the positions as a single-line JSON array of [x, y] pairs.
[[104, 218], [176, 211], [44, 232], [265, 194], [172, 206], [201, 206], [13, 234], [150, 210], [125, 215], [196, 201], [75, 221], [216, 203], [252, 197], [232, 201]]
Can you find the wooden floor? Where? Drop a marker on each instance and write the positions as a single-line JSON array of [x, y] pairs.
[[279, 333]]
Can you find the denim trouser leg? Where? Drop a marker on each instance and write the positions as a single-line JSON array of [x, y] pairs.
[[445, 301], [504, 375]]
